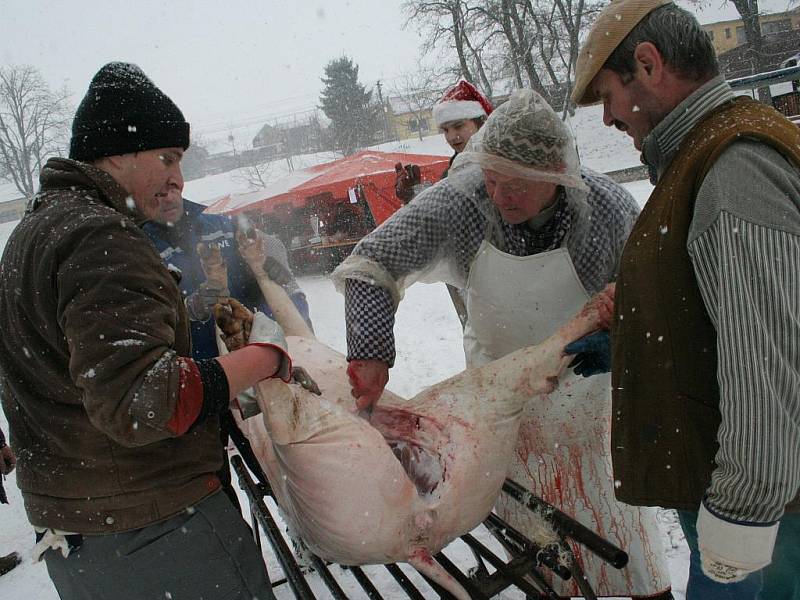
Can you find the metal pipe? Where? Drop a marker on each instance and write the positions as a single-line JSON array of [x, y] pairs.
[[328, 579], [767, 78], [456, 573], [516, 543], [510, 572], [404, 582], [366, 584], [285, 557], [567, 526]]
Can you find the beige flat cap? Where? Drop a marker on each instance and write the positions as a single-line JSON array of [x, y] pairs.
[[613, 24]]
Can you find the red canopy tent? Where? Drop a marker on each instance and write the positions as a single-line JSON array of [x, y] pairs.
[[371, 169], [322, 211]]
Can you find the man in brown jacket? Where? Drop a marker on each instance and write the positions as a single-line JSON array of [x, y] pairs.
[[705, 361], [116, 429]]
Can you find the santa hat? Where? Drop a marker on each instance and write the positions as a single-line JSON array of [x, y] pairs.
[[461, 101]]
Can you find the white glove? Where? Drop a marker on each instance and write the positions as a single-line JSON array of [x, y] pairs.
[[247, 404], [729, 552], [266, 332]]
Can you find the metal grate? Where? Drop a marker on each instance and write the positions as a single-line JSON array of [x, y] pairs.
[[489, 576]]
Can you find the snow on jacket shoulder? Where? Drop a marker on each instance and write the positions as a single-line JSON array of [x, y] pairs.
[[93, 330]]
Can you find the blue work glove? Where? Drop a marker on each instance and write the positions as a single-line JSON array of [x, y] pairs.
[[592, 354]]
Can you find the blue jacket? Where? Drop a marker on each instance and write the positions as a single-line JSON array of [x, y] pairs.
[[176, 244]]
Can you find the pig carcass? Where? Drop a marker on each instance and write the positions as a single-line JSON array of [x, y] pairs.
[[420, 472]]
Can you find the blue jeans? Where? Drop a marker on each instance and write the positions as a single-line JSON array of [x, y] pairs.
[[779, 581]]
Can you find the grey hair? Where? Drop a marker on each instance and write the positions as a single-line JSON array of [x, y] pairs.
[[677, 35]]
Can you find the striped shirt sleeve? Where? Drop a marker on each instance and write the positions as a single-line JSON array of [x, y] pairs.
[[748, 272]]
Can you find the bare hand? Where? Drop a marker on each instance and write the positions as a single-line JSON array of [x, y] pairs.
[[367, 378], [7, 460]]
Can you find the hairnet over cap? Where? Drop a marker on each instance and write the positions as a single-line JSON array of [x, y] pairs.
[[123, 111], [613, 25], [525, 138]]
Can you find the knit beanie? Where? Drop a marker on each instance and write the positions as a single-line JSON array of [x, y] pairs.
[[461, 101], [123, 111]]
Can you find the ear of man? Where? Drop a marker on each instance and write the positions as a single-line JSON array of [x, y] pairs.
[[650, 66]]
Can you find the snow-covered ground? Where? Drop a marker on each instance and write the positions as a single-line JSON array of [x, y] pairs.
[[421, 361]]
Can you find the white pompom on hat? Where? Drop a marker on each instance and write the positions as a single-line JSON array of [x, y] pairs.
[[461, 101]]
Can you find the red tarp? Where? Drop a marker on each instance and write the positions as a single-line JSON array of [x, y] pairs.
[[371, 169]]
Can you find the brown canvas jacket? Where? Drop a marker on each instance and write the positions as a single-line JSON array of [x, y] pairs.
[[92, 327]]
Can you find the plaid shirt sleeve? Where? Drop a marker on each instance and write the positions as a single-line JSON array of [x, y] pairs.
[[438, 225], [443, 224]]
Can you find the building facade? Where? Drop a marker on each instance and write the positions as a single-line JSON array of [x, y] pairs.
[[727, 35]]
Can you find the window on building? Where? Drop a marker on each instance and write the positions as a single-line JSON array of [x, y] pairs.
[[776, 26], [727, 33], [711, 34], [741, 38], [418, 125]]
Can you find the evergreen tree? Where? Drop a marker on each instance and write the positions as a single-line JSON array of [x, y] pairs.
[[355, 118]]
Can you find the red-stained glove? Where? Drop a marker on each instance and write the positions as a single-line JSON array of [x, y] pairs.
[[367, 380], [605, 305]]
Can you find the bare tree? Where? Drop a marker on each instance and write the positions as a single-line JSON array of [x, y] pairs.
[[748, 10], [510, 20], [255, 176], [534, 42], [445, 21], [417, 91], [565, 23], [33, 125]]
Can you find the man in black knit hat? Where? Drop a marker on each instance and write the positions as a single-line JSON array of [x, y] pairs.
[[115, 427]]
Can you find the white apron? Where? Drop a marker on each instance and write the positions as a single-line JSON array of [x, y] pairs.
[[563, 452]]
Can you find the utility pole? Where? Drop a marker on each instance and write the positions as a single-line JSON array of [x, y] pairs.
[[383, 111]]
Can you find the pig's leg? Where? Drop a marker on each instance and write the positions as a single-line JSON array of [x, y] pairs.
[[283, 309], [423, 562]]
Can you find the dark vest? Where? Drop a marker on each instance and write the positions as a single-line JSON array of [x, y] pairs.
[[664, 351]]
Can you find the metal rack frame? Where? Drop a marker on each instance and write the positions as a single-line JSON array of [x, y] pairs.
[[485, 579]]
